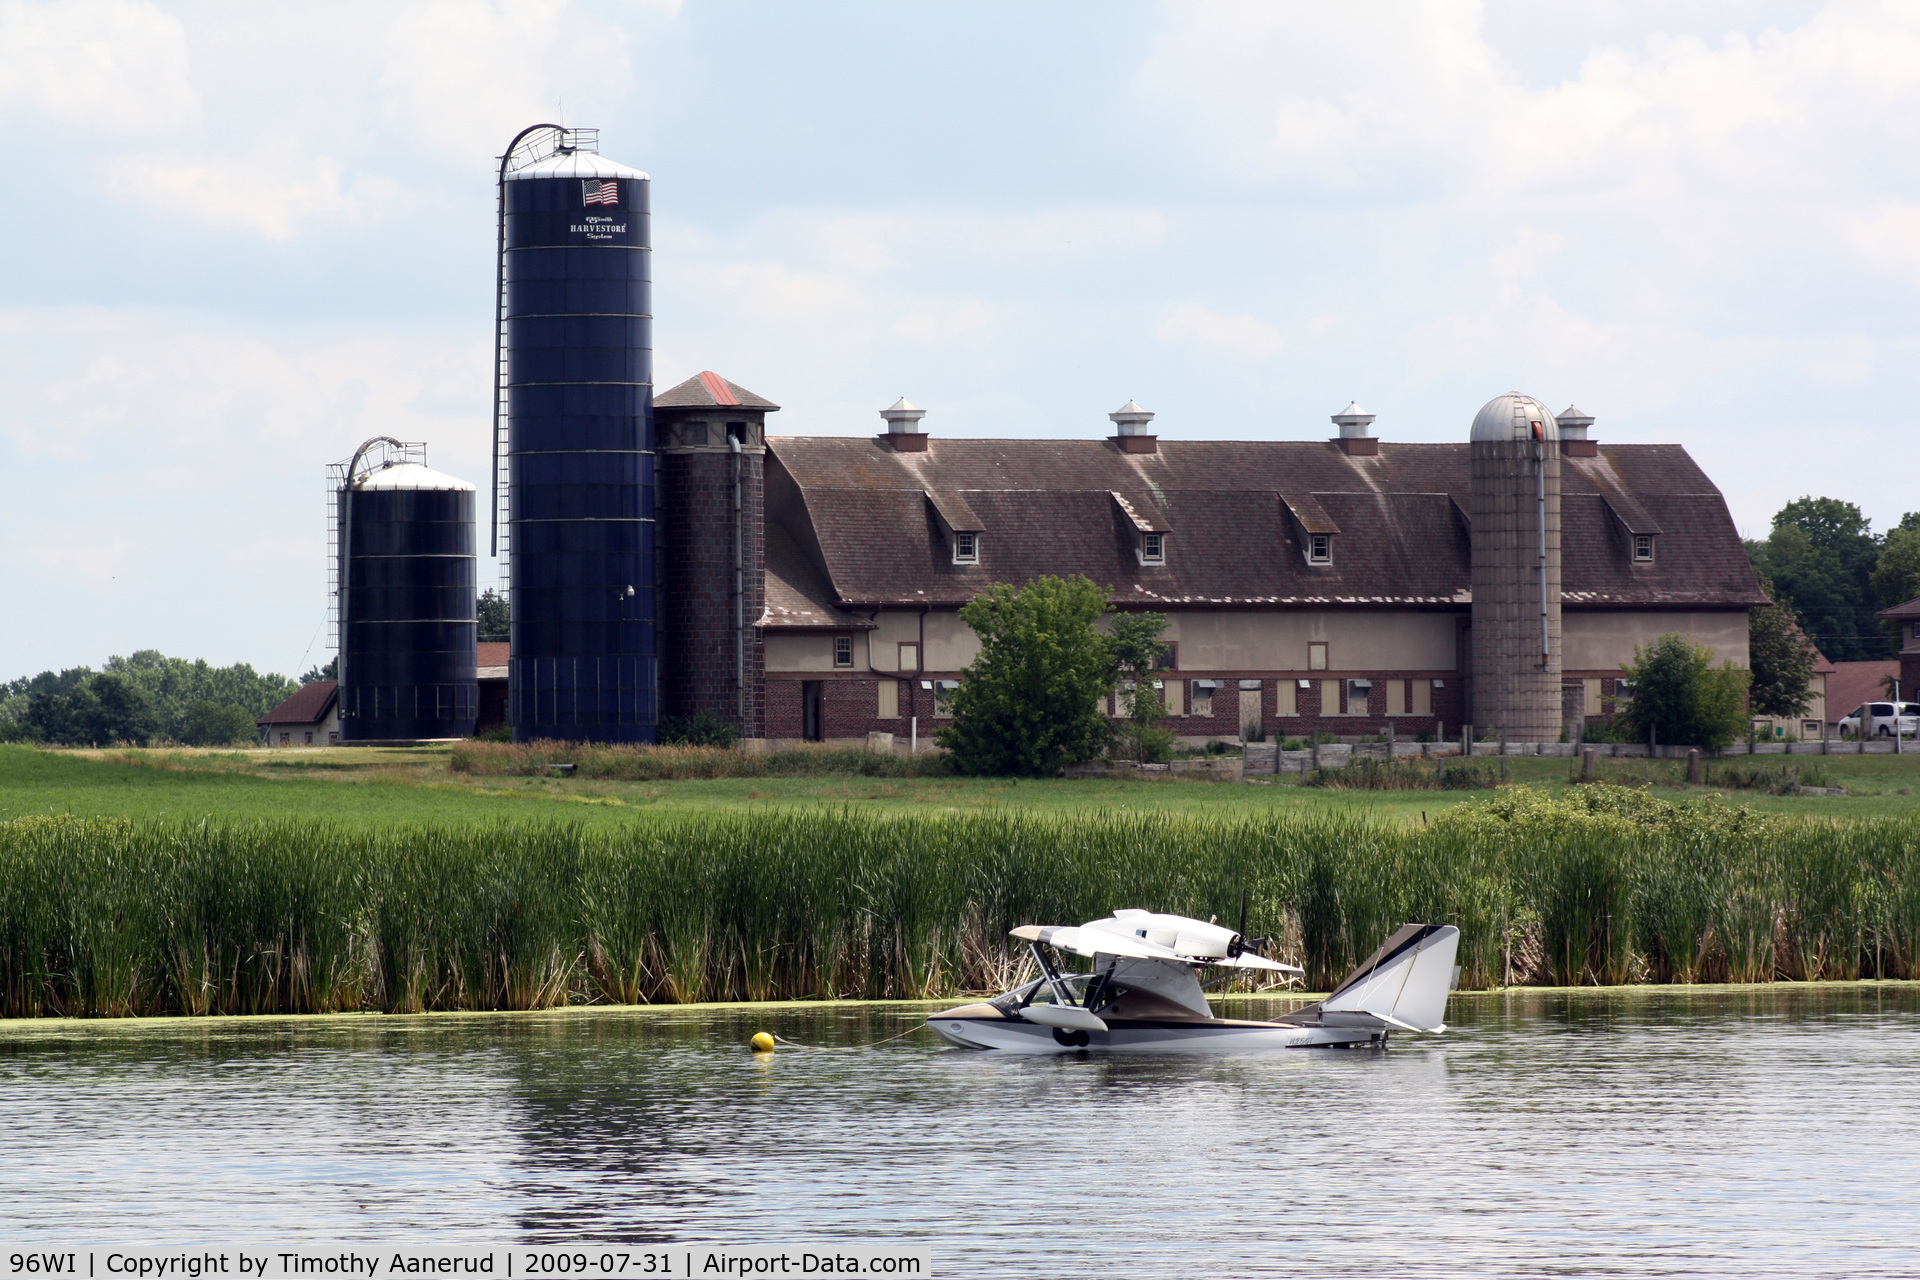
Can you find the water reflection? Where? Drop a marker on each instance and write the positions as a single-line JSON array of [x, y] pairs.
[[1670, 1131]]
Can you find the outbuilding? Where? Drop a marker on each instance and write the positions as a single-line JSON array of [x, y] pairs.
[[310, 718]]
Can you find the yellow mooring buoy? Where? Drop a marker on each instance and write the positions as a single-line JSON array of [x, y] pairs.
[[762, 1042]]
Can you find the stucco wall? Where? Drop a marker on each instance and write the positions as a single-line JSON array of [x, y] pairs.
[[809, 651], [1384, 641], [1208, 641], [1601, 640]]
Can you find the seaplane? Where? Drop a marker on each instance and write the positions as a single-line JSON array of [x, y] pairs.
[[1144, 994]]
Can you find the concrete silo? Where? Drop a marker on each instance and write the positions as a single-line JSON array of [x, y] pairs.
[[574, 424], [712, 442], [1516, 569], [404, 596]]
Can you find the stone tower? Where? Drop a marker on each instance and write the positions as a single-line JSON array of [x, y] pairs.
[[710, 436], [1516, 570]]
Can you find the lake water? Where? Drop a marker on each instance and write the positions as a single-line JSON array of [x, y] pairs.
[[1660, 1132]]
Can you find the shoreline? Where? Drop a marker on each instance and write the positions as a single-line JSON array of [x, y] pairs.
[[233, 1021]]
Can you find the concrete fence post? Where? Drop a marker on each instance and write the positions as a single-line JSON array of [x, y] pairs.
[[1503, 755], [1693, 765], [1586, 765]]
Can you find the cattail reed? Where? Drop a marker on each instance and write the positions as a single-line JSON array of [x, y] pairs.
[[112, 918]]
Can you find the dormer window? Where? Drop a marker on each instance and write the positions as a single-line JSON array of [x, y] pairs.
[[1643, 547], [1319, 548], [966, 548], [1153, 548]]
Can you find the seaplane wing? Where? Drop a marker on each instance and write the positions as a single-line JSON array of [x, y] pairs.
[[1084, 940], [1142, 935]]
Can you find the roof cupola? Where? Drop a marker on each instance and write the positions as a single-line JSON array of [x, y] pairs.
[[1355, 439], [1573, 433], [903, 426], [1130, 422]]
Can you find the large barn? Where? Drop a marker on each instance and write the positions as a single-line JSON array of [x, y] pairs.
[[811, 584]]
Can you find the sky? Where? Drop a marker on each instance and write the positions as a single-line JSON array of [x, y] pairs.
[[242, 238]]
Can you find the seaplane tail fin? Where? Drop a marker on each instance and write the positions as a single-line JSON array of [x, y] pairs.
[[1405, 982]]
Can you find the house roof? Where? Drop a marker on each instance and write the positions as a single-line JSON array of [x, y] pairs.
[[710, 390], [797, 596], [1234, 513], [309, 706], [1850, 684], [491, 658], [1911, 609]]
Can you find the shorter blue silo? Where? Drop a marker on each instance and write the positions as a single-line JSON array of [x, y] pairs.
[[405, 597]]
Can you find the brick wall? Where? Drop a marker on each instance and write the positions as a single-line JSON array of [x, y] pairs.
[[849, 706], [697, 669], [1310, 716]]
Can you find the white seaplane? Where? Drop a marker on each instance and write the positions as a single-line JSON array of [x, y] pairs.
[[1143, 994]]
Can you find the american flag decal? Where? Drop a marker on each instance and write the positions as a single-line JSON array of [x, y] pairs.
[[600, 193]]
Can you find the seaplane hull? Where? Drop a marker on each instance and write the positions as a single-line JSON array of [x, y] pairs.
[[982, 1026]]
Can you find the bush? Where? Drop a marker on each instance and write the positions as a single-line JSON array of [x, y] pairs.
[[1031, 702], [701, 729], [1682, 697]]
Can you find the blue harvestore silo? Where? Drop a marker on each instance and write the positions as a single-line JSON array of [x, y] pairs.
[[404, 576], [576, 377]]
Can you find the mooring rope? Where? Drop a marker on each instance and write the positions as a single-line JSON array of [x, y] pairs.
[[844, 1048]]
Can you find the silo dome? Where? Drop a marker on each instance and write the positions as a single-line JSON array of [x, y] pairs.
[[1511, 417]]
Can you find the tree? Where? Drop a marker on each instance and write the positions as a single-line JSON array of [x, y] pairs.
[[1030, 703], [1821, 557], [1135, 647], [1781, 660], [147, 695], [100, 709], [1682, 697], [329, 672], [214, 724], [496, 616]]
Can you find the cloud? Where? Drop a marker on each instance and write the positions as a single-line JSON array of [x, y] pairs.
[[1236, 335], [196, 446], [272, 195], [113, 67], [464, 77]]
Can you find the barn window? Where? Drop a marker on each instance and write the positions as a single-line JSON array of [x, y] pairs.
[[1319, 548], [966, 548], [1153, 548], [843, 651], [1643, 546]]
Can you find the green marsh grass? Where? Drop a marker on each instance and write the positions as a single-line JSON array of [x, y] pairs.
[[1597, 885], [684, 763]]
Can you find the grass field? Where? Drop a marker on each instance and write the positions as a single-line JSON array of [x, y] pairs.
[[382, 786]]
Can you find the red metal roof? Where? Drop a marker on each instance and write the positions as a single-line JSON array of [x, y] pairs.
[[309, 706], [492, 653], [707, 390]]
